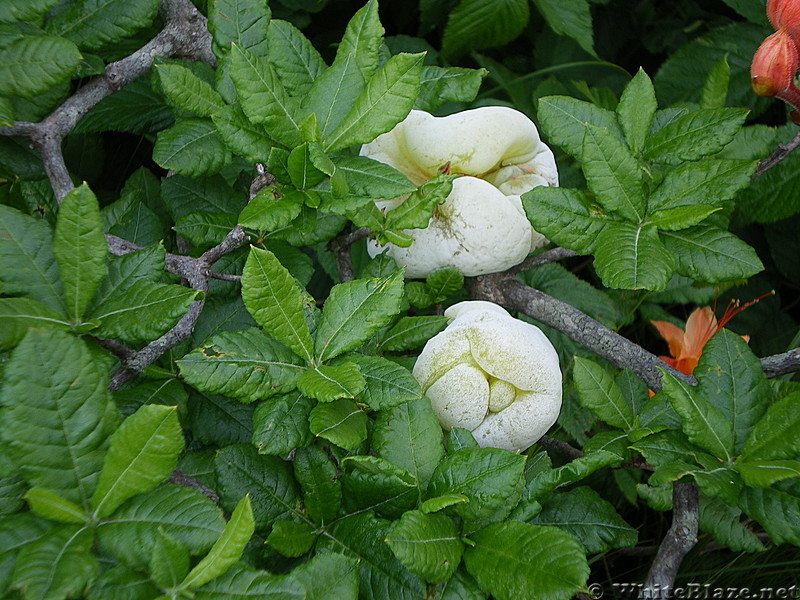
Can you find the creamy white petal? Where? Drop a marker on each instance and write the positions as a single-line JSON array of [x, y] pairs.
[[460, 398]]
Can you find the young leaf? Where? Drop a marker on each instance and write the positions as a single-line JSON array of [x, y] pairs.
[[362, 39], [412, 332], [80, 249], [680, 217], [571, 18], [319, 478], [775, 435], [48, 504], [187, 91], [266, 213], [416, 210], [354, 311], [438, 85], [191, 147], [598, 392], [387, 383], [244, 138], [476, 24], [632, 257], [295, 59], [715, 88], [291, 539], [340, 422], [564, 119], [227, 549], [427, 544], [369, 482], [636, 109], [280, 424], [333, 94], [514, 560], [550, 479], [142, 453], [271, 295], [57, 414], [169, 562], [709, 181], [35, 63], [326, 383]]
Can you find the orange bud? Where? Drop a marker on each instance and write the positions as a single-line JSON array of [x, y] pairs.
[[785, 13], [774, 64]]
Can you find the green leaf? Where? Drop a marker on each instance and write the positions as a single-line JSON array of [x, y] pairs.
[[142, 453], [702, 422], [775, 509], [693, 136], [122, 583], [48, 504], [632, 257], [580, 468], [515, 560], [268, 480], [17, 315], [169, 562], [571, 18], [27, 264], [775, 434], [92, 24], [191, 147], [220, 421], [280, 424], [302, 171], [491, 478], [122, 271], [291, 539], [243, 22], [35, 63], [636, 109], [438, 85], [369, 178], [57, 566], [722, 522], [612, 173], [416, 210], [409, 436], [387, 383], [80, 249], [295, 59], [187, 91], [271, 295], [598, 392], [329, 577], [715, 88], [386, 100], [354, 311], [57, 414], [427, 544], [263, 97], [246, 365], [203, 228], [564, 119], [590, 519], [412, 332], [142, 312], [477, 24], [319, 478], [181, 512], [680, 217], [432, 505], [362, 39], [334, 93], [444, 282], [14, 12], [241, 581], [763, 473], [267, 213], [372, 483], [244, 138], [227, 549], [709, 181], [709, 254], [340, 422], [327, 383]]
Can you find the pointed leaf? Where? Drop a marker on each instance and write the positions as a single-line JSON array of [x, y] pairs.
[[326, 383], [94, 23], [319, 478], [266, 213], [340, 422], [329, 577], [680, 217], [48, 504], [243, 22], [17, 315], [372, 483], [724, 525], [763, 473], [334, 93], [362, 39], [775, 435], [34, 63], [416, 210], [715, 89], [241, 582], [295, 59], [240, 135], [387, 383], [636, 109], [598, 392], [291, 539], [169, 562], [280, 424], [775, 509], [191, 147], [412, 332], [710, 181], [563, 120], [187, 91], [632, 257], [427, 544], [571, 18], [477, 24]]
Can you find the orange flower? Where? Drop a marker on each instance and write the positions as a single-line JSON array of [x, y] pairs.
[[785, 13]]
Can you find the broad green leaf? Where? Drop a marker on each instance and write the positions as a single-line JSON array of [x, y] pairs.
[[775, 510], [410, 333], [409, 436], [730, 377], [763, 473], [549, 479], [598, 392], [589, 518], [27, 265], [122, 271], [143, 312], [267, 213], [381, 575], [362, 39], [48, 504], [636, 109], [14, 12], [680, 217], [57, 414], [372, 179], [263, 97], [771, 196], [666, 447], [708, 254], [17, 315], [724, 525], [334, 93], [191, 147], [319, 479], [693, 136], [35, 63], [244, 138], [491, 478], [301, 170], [715, 88], [632, 257], [703, 423], [280, 424], [181, 512], [564, 119], [427, 544], [515, 560], [57, 566], [438, 85], [327, 383], [387, 383], [271, 295], [372, 483], [268, 480], [329, 577], [187, 91], [416, 210], [246, 365], [775, 434], [566, 217], [219, 420], [477, 24], [227, 549], [12, 488], [169, 562], [92, 24], [295, 59], [79, 248], [341, 422], [122, 583], [241, 581], [571, 18], [142, 453], [444, 282], [205, 229], [354, 311], [709, 181], [243, 22], [291, 539], [385, 101]]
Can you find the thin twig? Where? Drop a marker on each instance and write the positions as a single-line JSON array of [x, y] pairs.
[[561, 447], [340, 247], [781, 152], [537, 260], [781, 364]]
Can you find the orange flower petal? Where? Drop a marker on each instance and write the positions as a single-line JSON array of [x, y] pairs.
[[700, 326], [673, 335]]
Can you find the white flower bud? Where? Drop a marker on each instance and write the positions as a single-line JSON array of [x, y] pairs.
[[493, 374]]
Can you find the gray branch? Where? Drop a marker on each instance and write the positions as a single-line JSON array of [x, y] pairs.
[[781, 152], [781, 364]]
